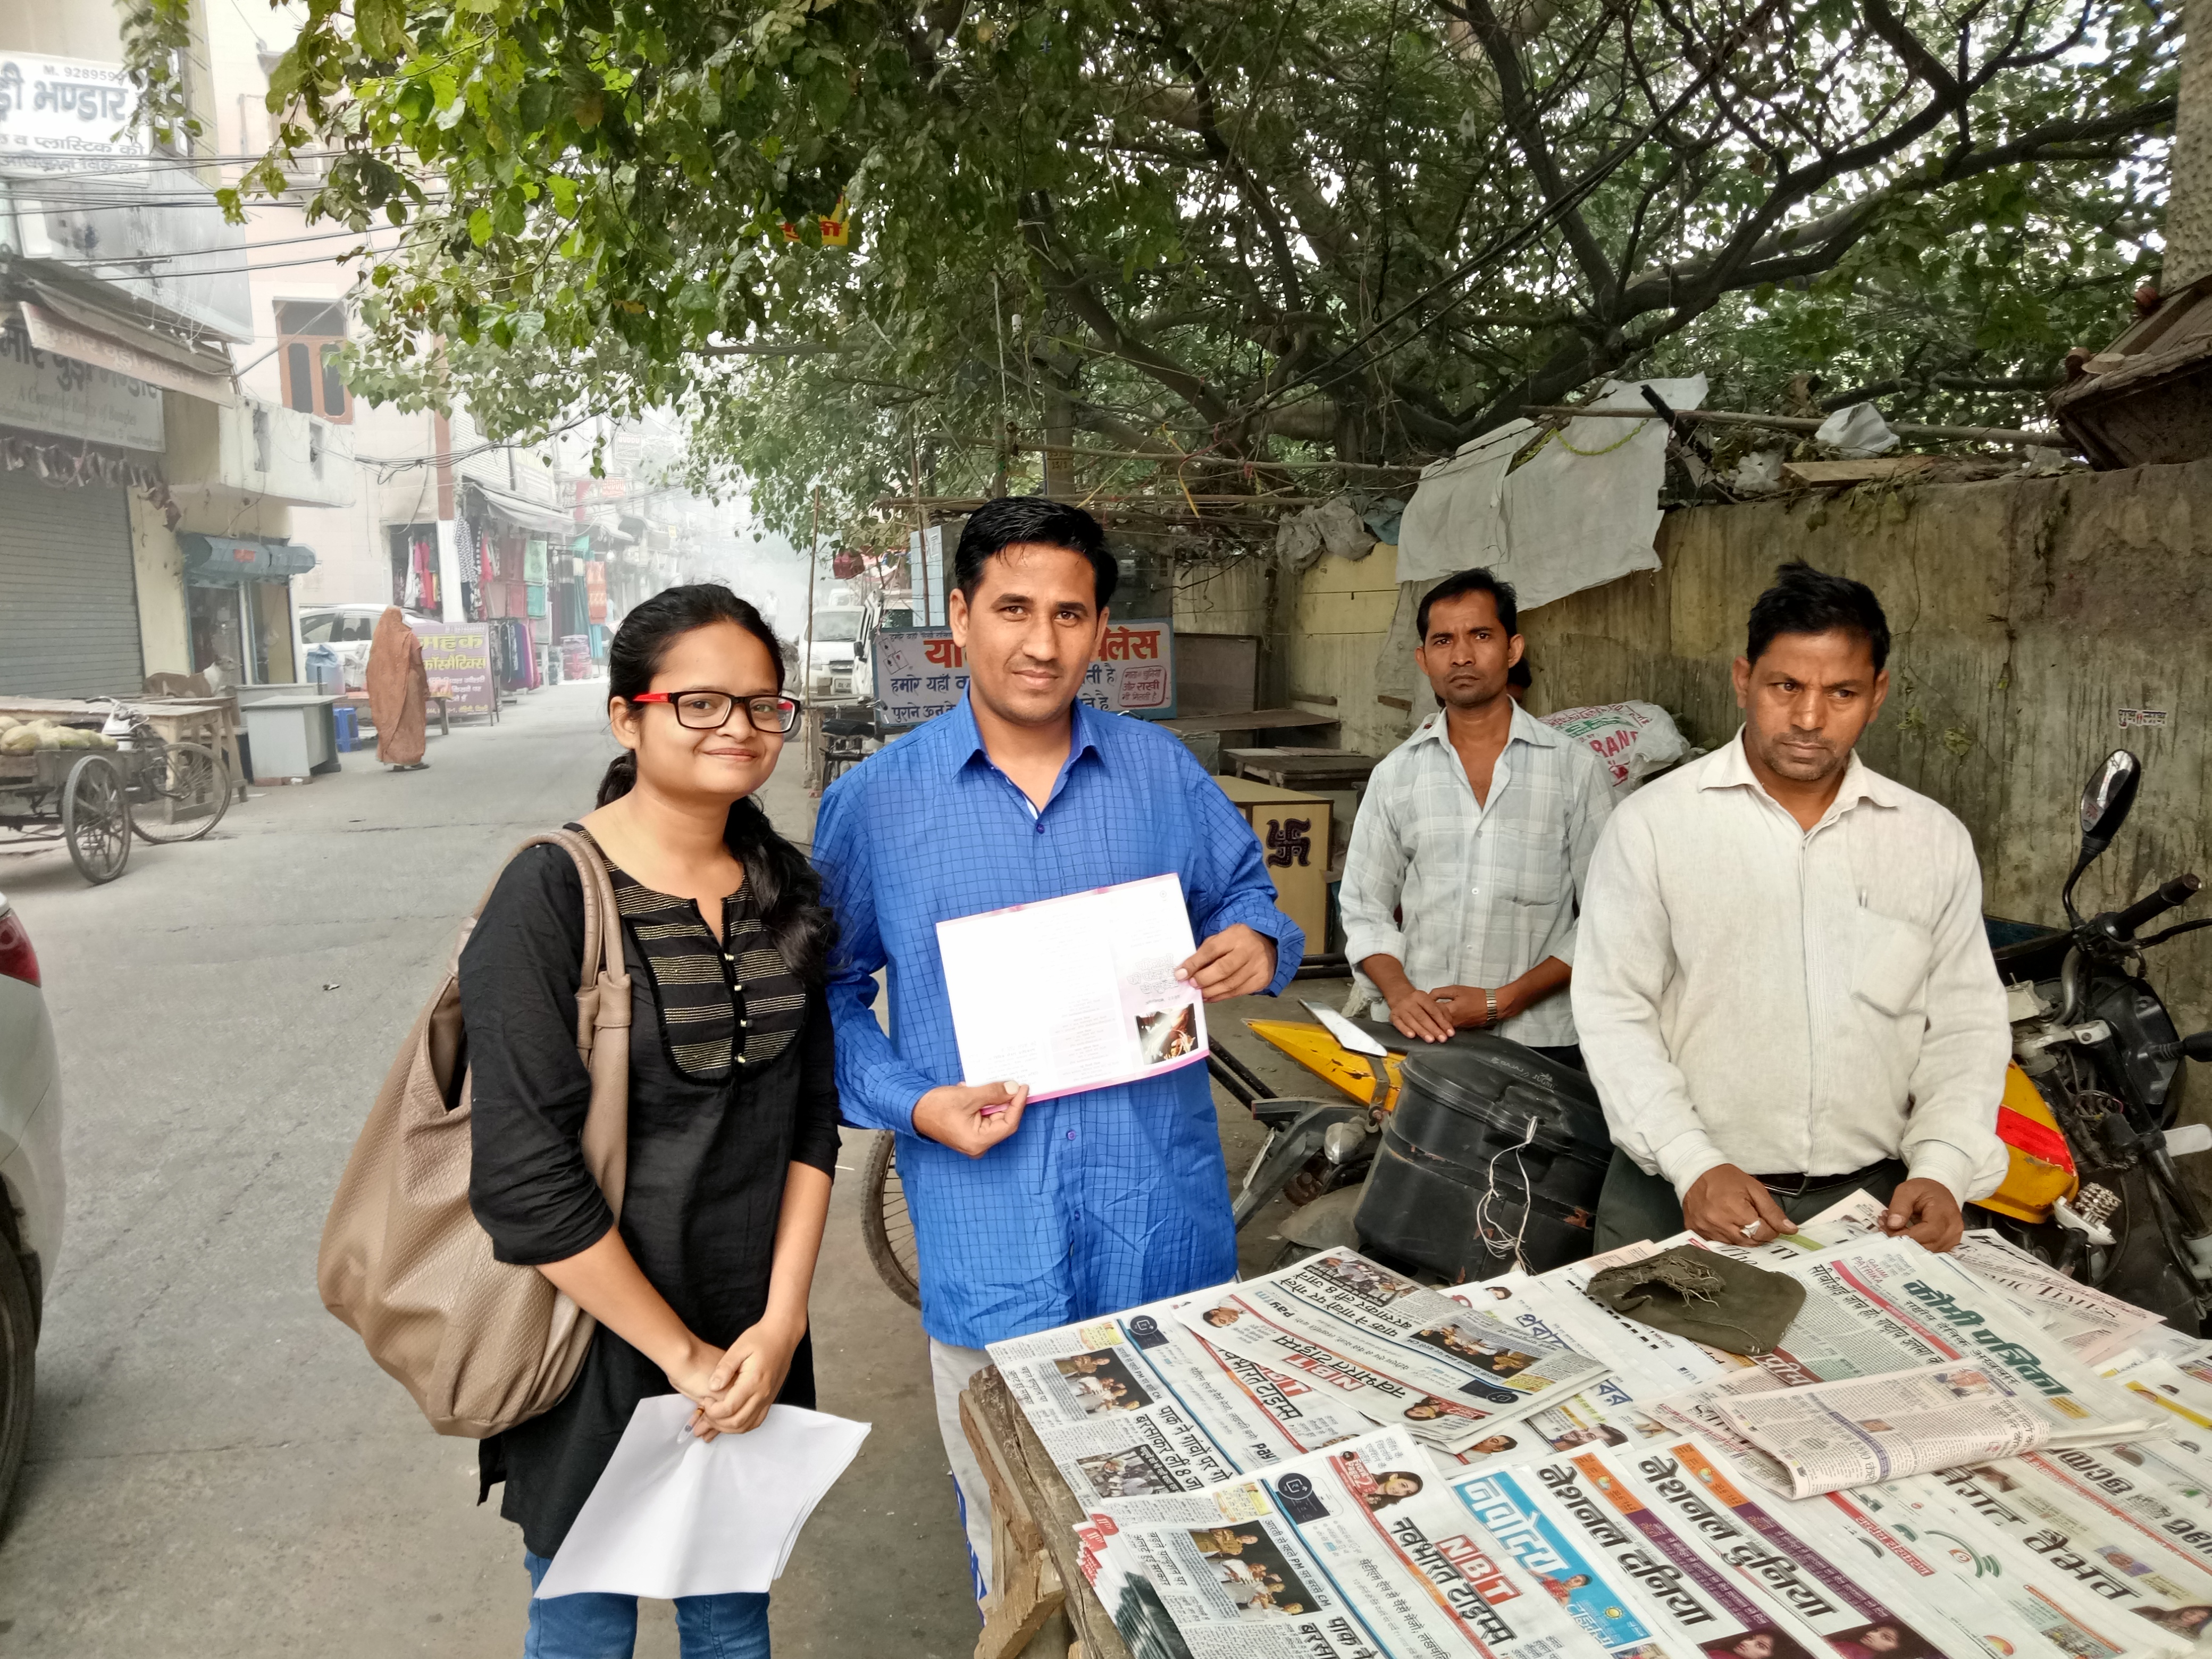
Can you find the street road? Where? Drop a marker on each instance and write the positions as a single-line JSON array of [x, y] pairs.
[[216, 1468]]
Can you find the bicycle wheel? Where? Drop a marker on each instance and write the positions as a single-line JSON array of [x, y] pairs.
[[885, 1227], [97, 819], [184, 791]]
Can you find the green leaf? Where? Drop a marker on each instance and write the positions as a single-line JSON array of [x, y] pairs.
[[480, 227]]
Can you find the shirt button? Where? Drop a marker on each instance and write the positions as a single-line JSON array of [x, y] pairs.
[[1040, 828], [1071, 1134]]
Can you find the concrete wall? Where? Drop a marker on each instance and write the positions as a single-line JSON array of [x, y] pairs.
[[164, 634], [2027, 613], [1344, 608]]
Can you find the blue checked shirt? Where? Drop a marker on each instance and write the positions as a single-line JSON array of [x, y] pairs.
[[1100, 1201]]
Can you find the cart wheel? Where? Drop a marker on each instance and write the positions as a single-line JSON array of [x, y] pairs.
[[97, 819], [885, 1227], [186, 790]]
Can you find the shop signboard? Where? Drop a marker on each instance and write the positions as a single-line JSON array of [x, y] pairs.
[[460, 655], [921, 673], [46, 393], [66, 107], [595, 590], [575, 656]]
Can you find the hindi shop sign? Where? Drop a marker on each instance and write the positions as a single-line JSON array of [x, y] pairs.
[[46, 392], [66, 107], [921, 673], [461, 657]]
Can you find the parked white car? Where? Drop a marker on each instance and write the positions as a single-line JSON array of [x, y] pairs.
[[335, 624], [30, 1182]]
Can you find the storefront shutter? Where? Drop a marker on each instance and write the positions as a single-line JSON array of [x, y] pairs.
[[69, 599]]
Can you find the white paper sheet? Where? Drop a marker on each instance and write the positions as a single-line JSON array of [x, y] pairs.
[[673, 1515], [1075, 992]]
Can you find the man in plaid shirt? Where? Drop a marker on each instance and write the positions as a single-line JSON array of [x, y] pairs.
[[1467, 859]]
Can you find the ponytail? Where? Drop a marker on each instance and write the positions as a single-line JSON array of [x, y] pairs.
[[620, 778], [785, 888]]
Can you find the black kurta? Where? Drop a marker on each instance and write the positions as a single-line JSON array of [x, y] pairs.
[[707, 1159]]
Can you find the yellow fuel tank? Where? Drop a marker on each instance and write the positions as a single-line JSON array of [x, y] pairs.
[[2040, 1169], [1313, 1047]]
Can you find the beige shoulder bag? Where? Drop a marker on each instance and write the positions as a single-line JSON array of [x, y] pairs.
[[481, 1344]]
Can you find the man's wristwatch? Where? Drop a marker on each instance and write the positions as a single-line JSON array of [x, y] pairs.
[[1490, 1001]]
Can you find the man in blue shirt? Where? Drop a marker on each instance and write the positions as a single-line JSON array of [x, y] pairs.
[[1029, 1216]]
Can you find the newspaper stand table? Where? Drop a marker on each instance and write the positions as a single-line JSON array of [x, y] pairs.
[[1039, 1596]]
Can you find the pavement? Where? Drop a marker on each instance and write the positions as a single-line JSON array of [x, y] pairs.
[[215, 1466]]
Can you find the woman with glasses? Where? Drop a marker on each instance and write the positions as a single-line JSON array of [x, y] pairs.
[[700, 1288]]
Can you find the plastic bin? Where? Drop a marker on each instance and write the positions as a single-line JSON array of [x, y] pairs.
[[325, 671], [1486, 1118]]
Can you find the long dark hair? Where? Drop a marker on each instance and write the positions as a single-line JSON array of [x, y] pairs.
[[784, 884]]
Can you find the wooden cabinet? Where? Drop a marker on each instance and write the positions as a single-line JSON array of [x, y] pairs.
[[1293, 828]]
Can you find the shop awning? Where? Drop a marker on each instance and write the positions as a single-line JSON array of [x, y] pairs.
[[522, 514], [226, 556]]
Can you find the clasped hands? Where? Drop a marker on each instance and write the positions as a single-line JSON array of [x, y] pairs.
[[733, 1388], [1726, 1207], [972, 1118], [1433, 1016]]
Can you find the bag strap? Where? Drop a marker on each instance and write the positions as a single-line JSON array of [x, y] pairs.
[[603, 1010]]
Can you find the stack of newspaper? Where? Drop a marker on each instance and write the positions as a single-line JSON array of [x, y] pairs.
[[1962, 1455]]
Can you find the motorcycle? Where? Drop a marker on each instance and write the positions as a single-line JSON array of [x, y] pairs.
[[2092, 1090]]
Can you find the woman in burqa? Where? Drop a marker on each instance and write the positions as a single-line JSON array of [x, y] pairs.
[[398, 692]]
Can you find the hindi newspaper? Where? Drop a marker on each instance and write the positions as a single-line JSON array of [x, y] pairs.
[[1554, 1307], [1597, 1544], [1355, 1553], [2002, 1601], [1887, 1305], [1824, 1436], [1074, 993], [1136, 1404], [1851, 1589], [1453, 1373], [2099, 1558]]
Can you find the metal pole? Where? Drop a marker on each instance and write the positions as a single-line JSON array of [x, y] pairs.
[[1006, 426], [807, 652], [1979, 434]]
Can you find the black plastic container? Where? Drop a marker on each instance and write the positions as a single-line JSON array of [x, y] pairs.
[[1456, 1135]]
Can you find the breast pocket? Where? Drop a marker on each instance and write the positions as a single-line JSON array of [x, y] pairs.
[[1889, 966], [1529, 867]]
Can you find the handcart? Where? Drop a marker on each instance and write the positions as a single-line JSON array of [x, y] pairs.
[[111, 778]]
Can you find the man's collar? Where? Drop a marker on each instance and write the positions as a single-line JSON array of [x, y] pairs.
[[967, 737], [1524, 728], [1731, 769]]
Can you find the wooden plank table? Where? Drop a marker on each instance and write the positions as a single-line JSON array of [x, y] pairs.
[[1301, 768], [1039, 1596], [1248, 720]]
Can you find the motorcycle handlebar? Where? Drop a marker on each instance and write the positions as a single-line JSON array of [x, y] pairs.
[[2122, 924], [2198, 1046]]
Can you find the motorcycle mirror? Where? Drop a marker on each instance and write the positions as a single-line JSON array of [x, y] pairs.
[[2107, 797], [2105, 800]]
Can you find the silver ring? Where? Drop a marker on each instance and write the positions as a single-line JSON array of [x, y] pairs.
[[1750, 1230]]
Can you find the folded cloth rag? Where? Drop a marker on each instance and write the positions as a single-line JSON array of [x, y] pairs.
[[1705, 1296]]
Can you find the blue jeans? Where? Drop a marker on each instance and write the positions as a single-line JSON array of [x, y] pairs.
[[594, 1626]]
